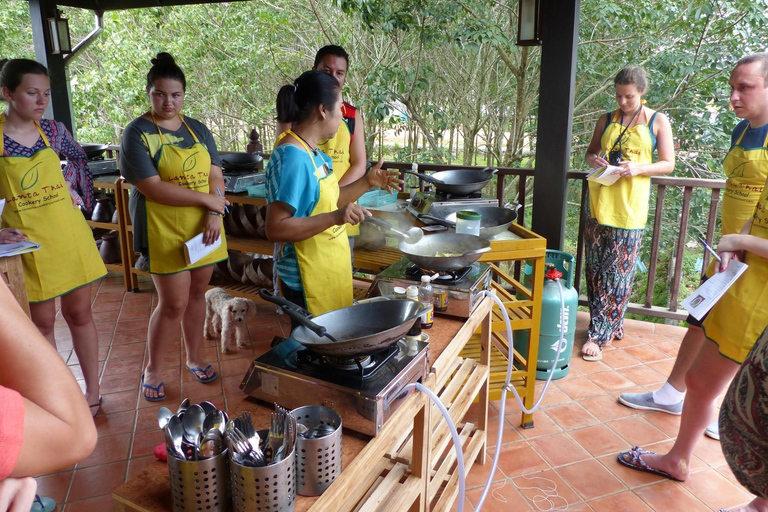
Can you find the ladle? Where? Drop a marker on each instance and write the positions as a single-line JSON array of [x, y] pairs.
[[411, 236]]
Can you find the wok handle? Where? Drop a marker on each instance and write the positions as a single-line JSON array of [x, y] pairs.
[[442, 222], [386, 225], [493, 170], [282, 302], [425, 177], [300, 315]]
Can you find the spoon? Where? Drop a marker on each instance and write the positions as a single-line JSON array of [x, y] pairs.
[[183, 405], [163, 415], [176, 432], [411, 236], [208, 407], [192, 423]]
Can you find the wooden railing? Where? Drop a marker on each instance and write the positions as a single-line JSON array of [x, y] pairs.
[[660, 183]]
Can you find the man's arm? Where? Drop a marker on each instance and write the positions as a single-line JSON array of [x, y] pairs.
[[356, 153]]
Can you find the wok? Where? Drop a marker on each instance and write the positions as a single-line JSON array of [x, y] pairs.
[[94, 150], [240, 161], [495, 219], [458, 182], [356, 330], [461, 250]]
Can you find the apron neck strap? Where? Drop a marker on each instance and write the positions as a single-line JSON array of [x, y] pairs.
[[306, 148], [162, 140], [2, 138]]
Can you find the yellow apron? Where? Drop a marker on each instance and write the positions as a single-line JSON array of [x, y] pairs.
[[625, 203], [746, 170], [338, 149], [168, 227], [740, 316], [39, 205], [324, 260]]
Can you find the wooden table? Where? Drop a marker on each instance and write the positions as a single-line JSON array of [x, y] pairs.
[[13, 268], [407, 466]]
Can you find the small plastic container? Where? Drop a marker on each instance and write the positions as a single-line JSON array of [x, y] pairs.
[[468, 222], [399, 292]]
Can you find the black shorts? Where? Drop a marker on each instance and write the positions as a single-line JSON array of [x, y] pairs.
[[691, 320]]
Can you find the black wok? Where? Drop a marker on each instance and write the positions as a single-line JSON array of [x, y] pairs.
[[355, 330], [94, 150], [458, 182], [240, 161], [445, 251], [495, 219]]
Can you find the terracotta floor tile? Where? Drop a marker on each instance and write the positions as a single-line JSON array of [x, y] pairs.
[[502, 497], [659, 497], [638, 326], [97, 481], [619, 359], [129, 337], [146, 418], [571, 416], [559, 449], [125, 365], [103, 317], [643, 375], [137, 464], [649, 337], [637, 431], [663, 367], [629, 477], [467, 505], [144, 442], [100, 504], [100, 307], [108, 450], [665, 446], [135, 314], [128, 350], [580, 387], [509, 435], [667, 423], [646, 353], [118, 402], [542, 425], [611, 381], [235, 367], [709, 451], [554, 395], [232, 385], [520, 458], [133, 325], [590, 479], [110, 297], [715, 490], [54, 486], [121, 382], [115, 424], [673, 331], [547, 489], [668, 347], [626, 501], [599, 440], [478, 475], [606, 408]]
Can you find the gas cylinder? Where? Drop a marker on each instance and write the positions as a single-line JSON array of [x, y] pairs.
[[559, 265]]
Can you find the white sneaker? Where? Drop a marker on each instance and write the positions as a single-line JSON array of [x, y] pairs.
[[645, 402], [713, 430]]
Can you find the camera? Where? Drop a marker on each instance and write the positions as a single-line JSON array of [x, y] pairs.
[[614, 157]]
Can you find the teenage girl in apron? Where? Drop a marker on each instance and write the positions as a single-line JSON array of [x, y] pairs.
[[307, 210], [182, 200], [617, 214], [40, 207]]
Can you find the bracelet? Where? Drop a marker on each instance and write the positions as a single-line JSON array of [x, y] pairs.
[[215, 213]]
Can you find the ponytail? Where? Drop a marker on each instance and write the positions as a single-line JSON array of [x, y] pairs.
[[297, 101]]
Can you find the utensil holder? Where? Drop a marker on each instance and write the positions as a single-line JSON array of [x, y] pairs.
[[265, 489], [318, 461], [200, 486]]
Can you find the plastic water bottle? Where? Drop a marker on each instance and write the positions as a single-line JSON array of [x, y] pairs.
[[412, 293], [425, 298]]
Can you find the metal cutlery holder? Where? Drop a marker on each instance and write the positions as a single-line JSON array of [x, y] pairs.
[[265, 489], [200, 486], [318, 461]]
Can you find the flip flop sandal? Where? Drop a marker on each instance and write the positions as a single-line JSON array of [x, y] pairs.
[[203, 371], [156, 389], [97, 404], [43, 504], [633, 459], [597, 357]]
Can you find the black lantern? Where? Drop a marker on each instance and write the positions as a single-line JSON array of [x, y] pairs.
[[58, 27], [528, 29]]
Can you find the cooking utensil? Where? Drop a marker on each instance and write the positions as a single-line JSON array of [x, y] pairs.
[[240, 162], [176, 432], [296, 312], [495, 220], [458, 182], [94, 150], [361, 329], [163, 415], [411, 236], [183, 406], [445, 251], [192, 422], [208, 407]]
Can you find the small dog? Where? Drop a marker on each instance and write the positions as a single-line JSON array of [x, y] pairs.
[[225, 315]]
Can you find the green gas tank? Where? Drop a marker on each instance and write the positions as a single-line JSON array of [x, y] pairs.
[[559, 268]]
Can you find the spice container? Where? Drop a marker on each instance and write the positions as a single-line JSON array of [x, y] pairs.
[[468, 222], [399, 292]]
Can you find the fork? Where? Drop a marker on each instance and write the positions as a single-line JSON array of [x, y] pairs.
[[274, 439]]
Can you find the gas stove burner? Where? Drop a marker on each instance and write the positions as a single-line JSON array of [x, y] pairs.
[[453, 197], [360, 368], [445, 277]]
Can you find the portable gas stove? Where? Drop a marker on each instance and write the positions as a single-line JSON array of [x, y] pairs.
[[101, 165], [439, 205], [461, 285], [365, 391], [239, 181]]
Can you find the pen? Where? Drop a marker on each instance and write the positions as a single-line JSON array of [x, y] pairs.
[[711, 250], [226, 210]]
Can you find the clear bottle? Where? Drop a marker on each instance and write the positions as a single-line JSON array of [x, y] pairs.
[[425, 298], [468, 222], [412, 293]]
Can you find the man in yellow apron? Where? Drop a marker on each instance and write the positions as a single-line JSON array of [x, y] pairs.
[[737, 319], [746, 170]]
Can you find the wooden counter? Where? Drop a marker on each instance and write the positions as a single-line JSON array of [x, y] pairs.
[[410, 465]]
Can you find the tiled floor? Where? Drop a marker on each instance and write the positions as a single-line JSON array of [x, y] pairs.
[[569, 458]]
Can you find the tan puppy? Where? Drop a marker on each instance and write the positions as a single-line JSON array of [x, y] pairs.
[[226, 315]]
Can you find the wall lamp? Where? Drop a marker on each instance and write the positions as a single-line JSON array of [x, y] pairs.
[[528, 23], [59, 32]]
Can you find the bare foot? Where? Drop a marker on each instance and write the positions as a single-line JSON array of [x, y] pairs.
[[756, 505], [590, 348], [675, 468]]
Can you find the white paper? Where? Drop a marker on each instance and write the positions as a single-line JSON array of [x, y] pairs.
[[705, 296], [607, 175], [2, 206], [195, 249], [18, 248]]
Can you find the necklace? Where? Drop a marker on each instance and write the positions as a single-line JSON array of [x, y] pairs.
[[305, 142]]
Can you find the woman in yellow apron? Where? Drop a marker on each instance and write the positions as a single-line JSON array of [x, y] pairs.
[[174, 165], [39, 205], [307, 210], [616, 214]]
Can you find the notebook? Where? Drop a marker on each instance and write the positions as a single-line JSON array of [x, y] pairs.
[[16, 247], [705, 296], [195, 249], [607, 175]]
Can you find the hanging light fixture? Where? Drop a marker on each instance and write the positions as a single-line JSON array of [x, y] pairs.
[[528, 29], [58, 27]]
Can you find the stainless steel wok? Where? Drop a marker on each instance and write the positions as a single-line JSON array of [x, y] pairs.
[[355, 330], [495, 220], [445, 251], [458, 182]]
